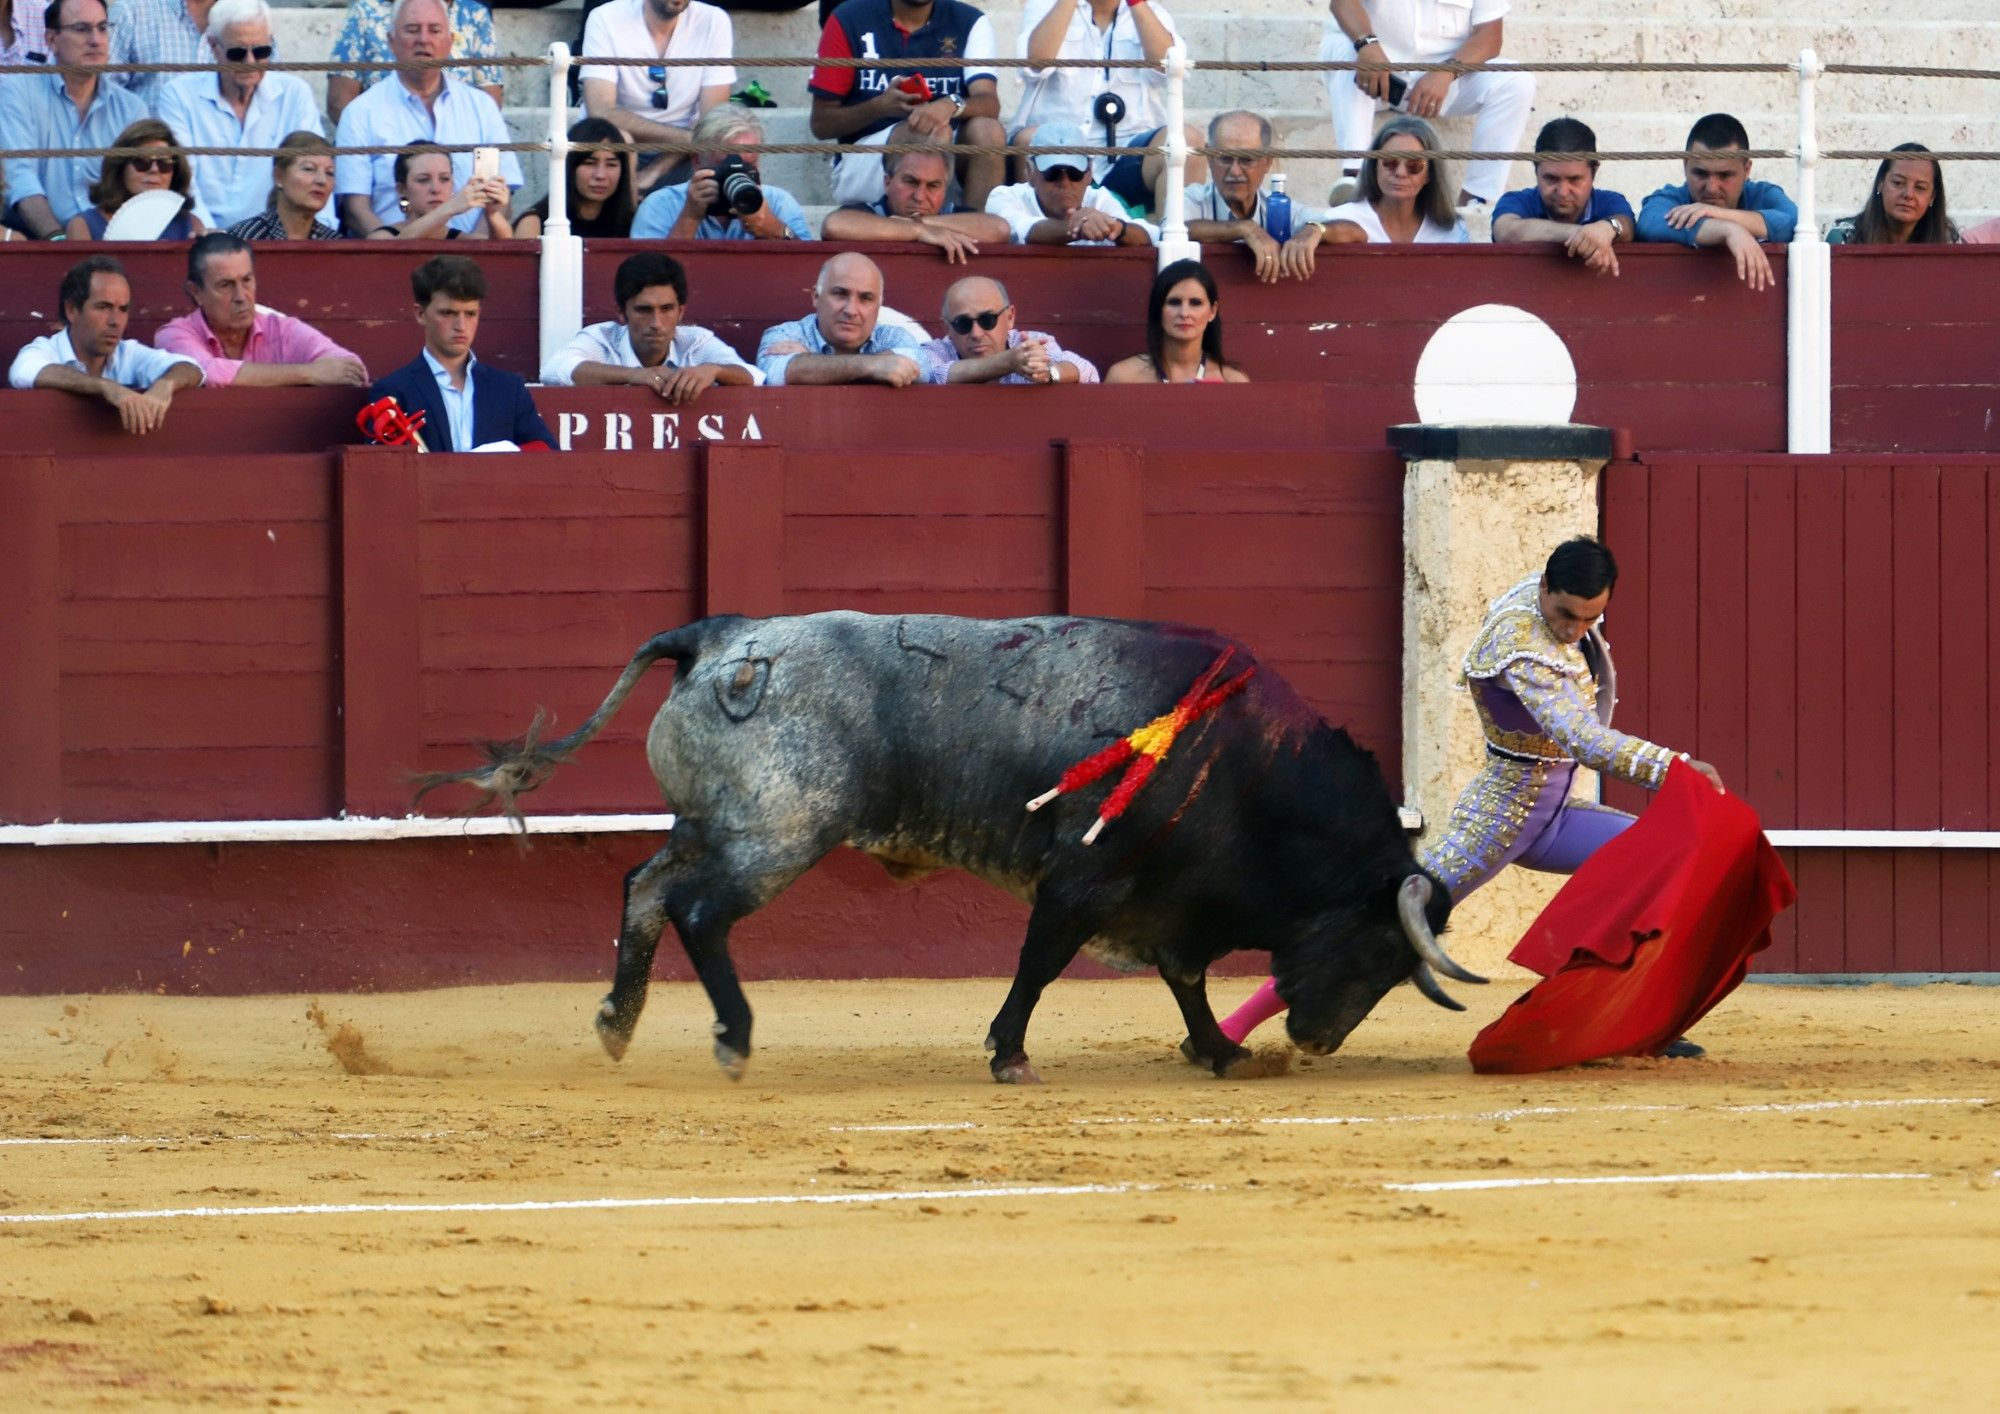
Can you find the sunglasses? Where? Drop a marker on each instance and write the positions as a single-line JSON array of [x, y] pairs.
[[658, 74], [962, 323], [151, 164], [1064, 174], [1225, 160], [1415, 166], [237, 53]]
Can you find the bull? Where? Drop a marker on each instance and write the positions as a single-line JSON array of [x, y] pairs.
[[917, 739]]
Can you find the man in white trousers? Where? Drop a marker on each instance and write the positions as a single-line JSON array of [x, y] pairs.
[[1392, 32]]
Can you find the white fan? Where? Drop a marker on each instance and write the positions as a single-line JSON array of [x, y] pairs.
[[144, 215]]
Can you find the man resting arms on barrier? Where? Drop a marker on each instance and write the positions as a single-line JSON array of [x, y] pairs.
[[92, 356], [647, 346]]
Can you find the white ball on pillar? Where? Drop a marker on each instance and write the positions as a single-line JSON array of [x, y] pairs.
[[1495, 363]]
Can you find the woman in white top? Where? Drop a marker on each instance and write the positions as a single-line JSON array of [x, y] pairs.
[[1405, 196]]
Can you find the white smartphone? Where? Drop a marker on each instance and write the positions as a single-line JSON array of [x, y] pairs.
[[486, 162]]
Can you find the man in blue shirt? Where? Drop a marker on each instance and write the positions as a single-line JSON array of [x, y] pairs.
[[841, 341], [91, 356], [1565, 203], [695, 210], [417, 105], [237, 107], [916, 205], [67, 109], [1719, 204]]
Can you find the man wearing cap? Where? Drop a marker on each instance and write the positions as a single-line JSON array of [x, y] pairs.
[[1057, 205]]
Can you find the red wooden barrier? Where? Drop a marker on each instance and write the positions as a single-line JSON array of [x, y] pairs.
[[1822, 630]]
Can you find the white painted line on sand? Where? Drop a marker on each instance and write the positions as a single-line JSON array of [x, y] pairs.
[[177, 1140], [1470, 1185], [560, 1205], [898, 1128]]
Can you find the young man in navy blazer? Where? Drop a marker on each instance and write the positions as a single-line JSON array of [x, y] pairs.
[[465, 403]]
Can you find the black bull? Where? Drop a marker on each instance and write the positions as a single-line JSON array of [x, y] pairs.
[[919, 740]]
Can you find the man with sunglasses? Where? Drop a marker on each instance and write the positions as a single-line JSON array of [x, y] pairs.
[[1057, 205], [983, 346], [657, 103], [916, 205], [238, 105], [68, 108]]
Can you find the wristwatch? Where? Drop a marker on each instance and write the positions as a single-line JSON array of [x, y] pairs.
[[957, 103]]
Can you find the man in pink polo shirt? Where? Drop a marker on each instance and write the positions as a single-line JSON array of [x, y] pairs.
[[237, 341]]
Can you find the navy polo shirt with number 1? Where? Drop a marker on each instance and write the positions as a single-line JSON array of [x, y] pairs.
[[867, 29]]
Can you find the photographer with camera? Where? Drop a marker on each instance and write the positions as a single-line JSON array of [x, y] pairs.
[[883, 94], [1116, 107], [726, 198]]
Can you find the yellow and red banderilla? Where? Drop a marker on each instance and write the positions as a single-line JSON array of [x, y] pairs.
[[1146, 747]]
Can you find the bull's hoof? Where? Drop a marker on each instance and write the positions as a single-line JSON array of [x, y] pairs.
[[614, 1038], [1015, 1072], [732, 1061], [1190, 1054], [1253, 1065]]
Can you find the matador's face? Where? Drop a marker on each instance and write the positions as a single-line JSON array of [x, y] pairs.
[[1570, 616]]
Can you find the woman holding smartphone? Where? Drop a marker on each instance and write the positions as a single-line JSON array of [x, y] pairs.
[[430, 201]]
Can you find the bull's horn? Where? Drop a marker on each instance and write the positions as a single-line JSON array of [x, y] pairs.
[[1411, 900], [1427, 983]]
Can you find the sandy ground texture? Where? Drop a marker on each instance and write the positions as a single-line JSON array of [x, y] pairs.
[[499, 1217]]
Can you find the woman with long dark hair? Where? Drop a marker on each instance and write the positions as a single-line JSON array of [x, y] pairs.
[[162, 167], [1405, 197], [1905, 206], [601, 196], [1183, 332]]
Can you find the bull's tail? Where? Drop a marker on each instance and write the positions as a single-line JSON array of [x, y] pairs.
[[516, 767]]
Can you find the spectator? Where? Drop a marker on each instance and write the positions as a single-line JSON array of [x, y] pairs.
[[1183, 332], [601, 202], [1058, 206], [916, 205], [694, 210], [1905, 206], [1985, 233], [884, 100], [659, 103], [92, 357], [431, 205], [239, 105], [981, 344], [1106, 30], [465, 403], [365, 38], [1405, 196], [72, 109], [1231, 207], [23, 35], [301, 186], [164, 167], [157, 32], [841, 341], [419, 105], [1565, 204], [236, 341], [1719, 204], [1391, 32], [647, 346]]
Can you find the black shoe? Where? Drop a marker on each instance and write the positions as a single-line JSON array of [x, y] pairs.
[[1684, 1049]]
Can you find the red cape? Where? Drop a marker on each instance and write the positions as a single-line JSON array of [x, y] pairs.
[[1654, 930]]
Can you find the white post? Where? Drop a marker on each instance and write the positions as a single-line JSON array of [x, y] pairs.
[[562, 253], [1174, 242], [1809, 291]]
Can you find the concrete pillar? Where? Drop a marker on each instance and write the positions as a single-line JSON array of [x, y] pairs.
[[1482, 507]]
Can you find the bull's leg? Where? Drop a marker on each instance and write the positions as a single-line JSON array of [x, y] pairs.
[[704, 923], [1205, 1044], [638, 937], [1054, 935]]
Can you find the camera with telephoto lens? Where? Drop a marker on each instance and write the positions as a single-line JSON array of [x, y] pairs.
[[737, 181]]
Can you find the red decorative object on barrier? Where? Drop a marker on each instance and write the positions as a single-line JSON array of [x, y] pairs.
[[388, 425]]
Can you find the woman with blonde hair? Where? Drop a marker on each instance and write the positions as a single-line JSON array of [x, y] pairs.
[[301, 186], [162, 167]]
